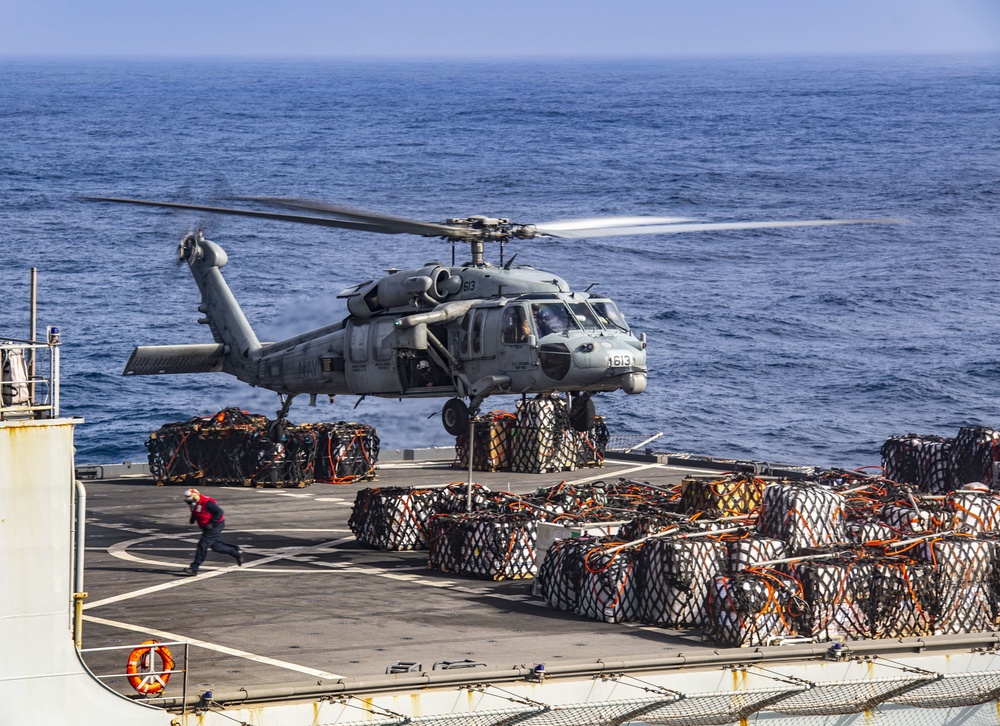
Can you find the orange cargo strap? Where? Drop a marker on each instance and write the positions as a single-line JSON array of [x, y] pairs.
[[144, 677]]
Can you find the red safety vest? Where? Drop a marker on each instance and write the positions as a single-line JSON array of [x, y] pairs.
[[201, 514]]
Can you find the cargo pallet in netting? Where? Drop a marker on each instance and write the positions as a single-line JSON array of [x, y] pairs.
[[833, 555], [393, 518], [483, 545], [537, 438], [237, 448], [937, 464]]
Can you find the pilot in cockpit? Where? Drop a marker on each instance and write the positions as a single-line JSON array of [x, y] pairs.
[[550, 318]]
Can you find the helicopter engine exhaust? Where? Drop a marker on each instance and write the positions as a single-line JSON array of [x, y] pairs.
[[425, 287]]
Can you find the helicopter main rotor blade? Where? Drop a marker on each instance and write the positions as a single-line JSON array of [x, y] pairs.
[[591, 228], [279, 216], [399, 225]]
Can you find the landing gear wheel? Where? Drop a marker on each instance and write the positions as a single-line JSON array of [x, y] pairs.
[[582, 413], [455, 416]]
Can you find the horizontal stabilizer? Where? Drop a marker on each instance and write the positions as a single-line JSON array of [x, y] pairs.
[[151, 360]]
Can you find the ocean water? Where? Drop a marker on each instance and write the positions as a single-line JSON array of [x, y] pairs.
[[806, 346]]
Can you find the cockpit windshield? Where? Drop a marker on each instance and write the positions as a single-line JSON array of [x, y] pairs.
[[585, 316], [553, 318], [609, 315]]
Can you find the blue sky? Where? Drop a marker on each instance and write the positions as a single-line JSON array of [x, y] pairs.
[[479, 28]]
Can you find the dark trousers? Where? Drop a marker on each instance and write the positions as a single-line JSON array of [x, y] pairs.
[[210, 540]]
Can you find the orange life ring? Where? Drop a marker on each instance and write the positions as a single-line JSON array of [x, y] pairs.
[[142, 674]]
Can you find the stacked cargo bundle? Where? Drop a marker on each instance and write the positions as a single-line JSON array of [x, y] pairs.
[[963, 569], [593, 444], [564, 497], [972, 511], [870, 531], [676, 574], [975, 452], [900, 456], [803, 514], [560, 574], [907, 519], [290, 461], [730, 495], [393, 518], [610, 589], [753, 608], [492, 442], [538, 438], [235, 447], [921, 460], [456, 498], [864, 504], [218, 449], [903, 598], [483, 545], [646, 523], [934, 469], [544, 440], [839, 594], [642, 496], [749, 551], [345, 451]]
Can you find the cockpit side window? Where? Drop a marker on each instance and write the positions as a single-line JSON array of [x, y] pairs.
[[552, 318], [515, 328], [584, 316], [608, 314]]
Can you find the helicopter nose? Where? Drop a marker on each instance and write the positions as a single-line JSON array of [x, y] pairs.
[[610, 359]]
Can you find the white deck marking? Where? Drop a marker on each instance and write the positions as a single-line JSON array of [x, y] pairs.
[[291, 552], [605, 474], [398, 574], [166, 635]]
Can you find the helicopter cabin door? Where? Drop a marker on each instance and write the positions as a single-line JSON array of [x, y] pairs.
[[371, 364], [478, 342], [516, 352]]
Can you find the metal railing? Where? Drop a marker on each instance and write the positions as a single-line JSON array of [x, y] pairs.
[[29, 378], [151, 680]]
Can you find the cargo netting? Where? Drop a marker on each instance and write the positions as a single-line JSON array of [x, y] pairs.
[[903, 599], [722, 497], [938, 465], [393, 518], [238, 448], [748, 560], [537, 438], [963, 571], [544, 440], [755, 607], [803, 514], [975, 452], [750, 551], [839, 595], [492, 442], [483, 545], [677, 574], [561, 572], [610, 589]]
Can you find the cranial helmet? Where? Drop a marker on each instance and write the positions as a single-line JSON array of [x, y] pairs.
[[191, 496]]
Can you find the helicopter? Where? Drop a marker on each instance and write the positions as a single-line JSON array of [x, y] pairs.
[[463, 332]]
